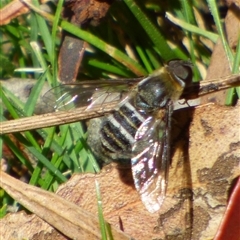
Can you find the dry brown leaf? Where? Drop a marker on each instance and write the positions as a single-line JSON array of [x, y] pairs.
[[23, 226]]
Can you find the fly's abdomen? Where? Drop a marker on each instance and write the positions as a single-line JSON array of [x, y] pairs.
[[117, 132]]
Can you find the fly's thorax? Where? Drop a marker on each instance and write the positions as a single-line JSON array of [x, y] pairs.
[[155, 91], [163, 85]]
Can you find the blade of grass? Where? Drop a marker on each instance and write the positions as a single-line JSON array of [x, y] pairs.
[[107, 67], [17, 152], [34, 95], [153, 58], [42, 60], [214, 11], [36, 175], [100, 212], [44, 32], [49, 177], [1, 140], [3, 209], [73, 136], [54, 34], [7, 103], [191, 28], [45, 149], [47, 164], [236, 63], [34, 38], [89, 162], [189, 17], [66, 142], [78, 136], [57, 148]]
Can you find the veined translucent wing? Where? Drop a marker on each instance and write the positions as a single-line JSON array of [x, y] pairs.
[[88, 93], [150, 161]]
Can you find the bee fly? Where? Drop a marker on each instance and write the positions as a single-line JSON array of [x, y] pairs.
[[139, 128]]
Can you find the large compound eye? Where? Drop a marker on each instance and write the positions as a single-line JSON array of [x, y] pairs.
[[181, 69]]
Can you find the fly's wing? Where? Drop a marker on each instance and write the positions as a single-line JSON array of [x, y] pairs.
[[150, 161], [88, 94]]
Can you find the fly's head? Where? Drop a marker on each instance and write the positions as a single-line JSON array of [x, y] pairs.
[[181, 72]]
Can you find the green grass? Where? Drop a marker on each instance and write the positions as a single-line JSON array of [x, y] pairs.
[[51, 155]]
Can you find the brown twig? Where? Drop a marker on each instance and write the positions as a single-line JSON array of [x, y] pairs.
[[53, 119]]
